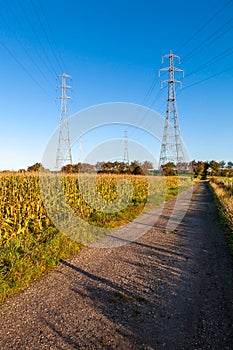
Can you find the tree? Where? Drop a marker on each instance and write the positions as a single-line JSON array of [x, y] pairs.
[[138, 171], [35, 167], [199, 168], [214, 165], [133, 165], [169, 169], [86, 168], [68, 169], [222, 164], [146, 166], [78, 168]]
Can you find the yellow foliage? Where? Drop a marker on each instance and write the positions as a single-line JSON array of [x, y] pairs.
[[22, 209]]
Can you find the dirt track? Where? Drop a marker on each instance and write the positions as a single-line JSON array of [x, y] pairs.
[[165, 291]]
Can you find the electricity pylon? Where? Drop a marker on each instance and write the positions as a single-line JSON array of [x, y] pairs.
[[64, 156], [172, 146], [126, 150]]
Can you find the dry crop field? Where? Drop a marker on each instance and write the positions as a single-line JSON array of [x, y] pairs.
[[223, 188], [29, 242], [22, 209]]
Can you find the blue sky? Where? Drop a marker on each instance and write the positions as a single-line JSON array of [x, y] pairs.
[[113, 51]]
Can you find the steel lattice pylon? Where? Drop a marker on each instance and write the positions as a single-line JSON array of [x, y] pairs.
[[172, 146], [64, 156]]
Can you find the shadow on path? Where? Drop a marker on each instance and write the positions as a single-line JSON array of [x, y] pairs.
[[165, 291]]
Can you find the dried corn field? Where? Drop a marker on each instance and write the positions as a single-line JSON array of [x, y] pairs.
[[22, 209], [223, 188], [31, 244]]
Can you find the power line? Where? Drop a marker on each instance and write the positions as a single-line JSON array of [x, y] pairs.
[[156, 98], [213, 60], [135, 133], [206, 79], [49, 65], [46, 36], [23, 68], [146, 99], [51, 32], [217, 13], [150, 90], [206, 42], [214, 36], [23, 46]]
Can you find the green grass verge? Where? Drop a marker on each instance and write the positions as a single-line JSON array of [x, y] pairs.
[[27, 257]]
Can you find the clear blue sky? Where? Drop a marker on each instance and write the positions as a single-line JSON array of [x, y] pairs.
[[113, 51]]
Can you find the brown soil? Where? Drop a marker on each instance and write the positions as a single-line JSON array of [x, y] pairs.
[[164, 291]]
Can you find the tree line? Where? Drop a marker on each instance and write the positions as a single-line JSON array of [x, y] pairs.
[[199, 169], [135, 168], [212, 168]]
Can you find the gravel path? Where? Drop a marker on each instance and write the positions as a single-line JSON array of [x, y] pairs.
[[164, 291]]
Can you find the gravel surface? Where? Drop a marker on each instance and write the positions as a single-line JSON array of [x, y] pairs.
[[164, 291]]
